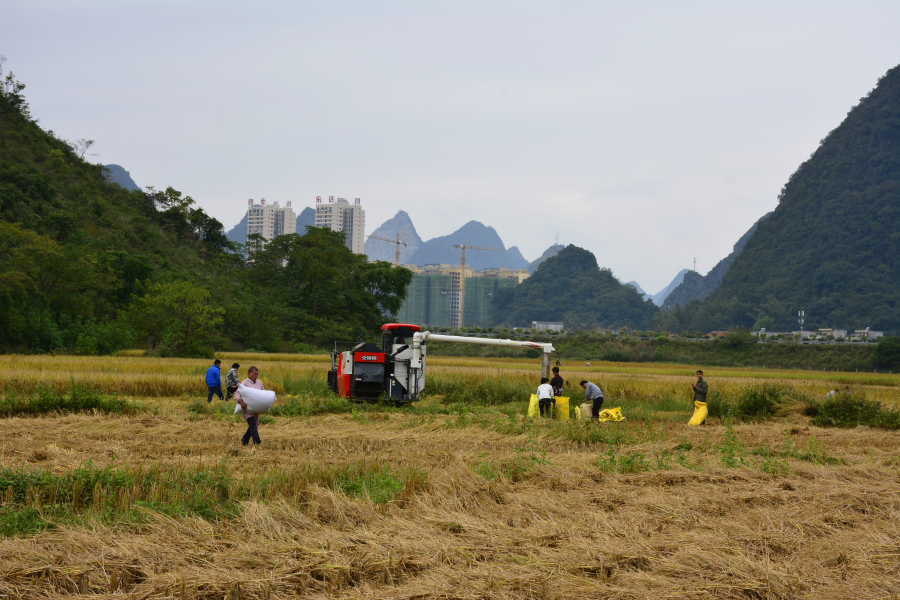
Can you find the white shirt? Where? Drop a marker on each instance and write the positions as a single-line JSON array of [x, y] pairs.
[[545, 391]]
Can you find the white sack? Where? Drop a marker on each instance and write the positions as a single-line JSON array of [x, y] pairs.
[[257, 401]]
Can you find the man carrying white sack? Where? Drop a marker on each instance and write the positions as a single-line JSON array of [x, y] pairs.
[[252, 418]]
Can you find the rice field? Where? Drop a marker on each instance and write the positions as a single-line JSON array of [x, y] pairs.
[[460, 496]]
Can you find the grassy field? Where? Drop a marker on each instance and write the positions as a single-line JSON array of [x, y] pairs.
[[139, 489]]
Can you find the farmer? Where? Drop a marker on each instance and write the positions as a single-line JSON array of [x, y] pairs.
[[214, 381], [557, 384], [545, 397], [251, 417], [231, 380], [700, 388], [594, 395], [558, 361]]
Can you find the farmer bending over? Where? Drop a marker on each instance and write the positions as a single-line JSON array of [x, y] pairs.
[[545, 397], [593, 394]]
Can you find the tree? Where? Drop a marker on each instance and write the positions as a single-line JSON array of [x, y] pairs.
[[887, 354], [327, 290], [177, 319], [571, 288], [764, 322], [11, 89]]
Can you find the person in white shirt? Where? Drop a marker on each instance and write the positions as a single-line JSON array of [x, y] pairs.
[[545, 397]]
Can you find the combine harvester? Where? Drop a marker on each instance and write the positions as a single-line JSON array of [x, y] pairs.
[[397, 369]]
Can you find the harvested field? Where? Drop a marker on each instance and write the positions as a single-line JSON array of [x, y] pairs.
[[441, 500]]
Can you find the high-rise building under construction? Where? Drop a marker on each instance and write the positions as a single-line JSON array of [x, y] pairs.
[[432, 299], [340, 215]]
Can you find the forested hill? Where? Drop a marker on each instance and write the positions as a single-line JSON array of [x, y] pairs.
[[832, 246], [695, 286], [74, 246], [571, 288], [87, 266]]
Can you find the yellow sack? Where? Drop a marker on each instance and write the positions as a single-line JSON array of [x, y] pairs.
[[611, 414], [562, 408], [533, 408], [700, 412]]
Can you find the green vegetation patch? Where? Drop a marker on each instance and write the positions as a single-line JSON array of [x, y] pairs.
[[36, 500], [46, 400], [847, 409], [529, 458], [378, 485]]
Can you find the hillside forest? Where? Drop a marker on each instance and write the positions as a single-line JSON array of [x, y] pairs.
[[87, 266], [832, 245]]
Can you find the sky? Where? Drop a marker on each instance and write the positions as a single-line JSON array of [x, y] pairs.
[[650, 133]]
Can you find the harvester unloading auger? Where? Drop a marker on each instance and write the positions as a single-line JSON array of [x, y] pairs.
[[397, 369]]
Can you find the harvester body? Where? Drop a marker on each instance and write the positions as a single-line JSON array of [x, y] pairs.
[[364, 371]]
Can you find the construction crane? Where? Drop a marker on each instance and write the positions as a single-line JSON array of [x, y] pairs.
[[462, 277], [398, 242]]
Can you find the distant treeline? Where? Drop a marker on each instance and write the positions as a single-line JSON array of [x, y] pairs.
[[575, 348]]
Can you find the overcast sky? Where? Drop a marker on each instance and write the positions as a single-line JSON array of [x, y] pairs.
[[649, 133]]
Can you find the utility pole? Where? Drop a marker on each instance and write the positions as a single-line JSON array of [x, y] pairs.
[[398, 242], [462, 278]]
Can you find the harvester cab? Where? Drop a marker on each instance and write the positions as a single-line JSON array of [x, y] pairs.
[[363, 371], [366, 372]]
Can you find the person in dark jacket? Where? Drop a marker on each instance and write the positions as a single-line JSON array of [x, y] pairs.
[[232, 380], [557, 383], [594, 395], [214, 381], [701, 388]]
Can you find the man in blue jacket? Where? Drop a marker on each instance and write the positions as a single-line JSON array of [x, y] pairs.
[[214, 381]]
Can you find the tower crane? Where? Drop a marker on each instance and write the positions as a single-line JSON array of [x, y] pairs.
[[397, 241], [462, 277]]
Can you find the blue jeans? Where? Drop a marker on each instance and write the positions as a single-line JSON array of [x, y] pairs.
[[217, 390]]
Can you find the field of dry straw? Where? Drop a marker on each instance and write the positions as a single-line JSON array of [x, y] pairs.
[[443, 499]]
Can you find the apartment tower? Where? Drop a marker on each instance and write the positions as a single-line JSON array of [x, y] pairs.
[[270, 221], [340, 215]]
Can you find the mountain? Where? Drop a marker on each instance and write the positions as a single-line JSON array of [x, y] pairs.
[[440, 250], [117, 174], [551, 251], [659, 297], [832, 245], [593, 297], [516, 257], [238, 233], [696, 286], [307, 217], [398, 224], [639, 289]]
